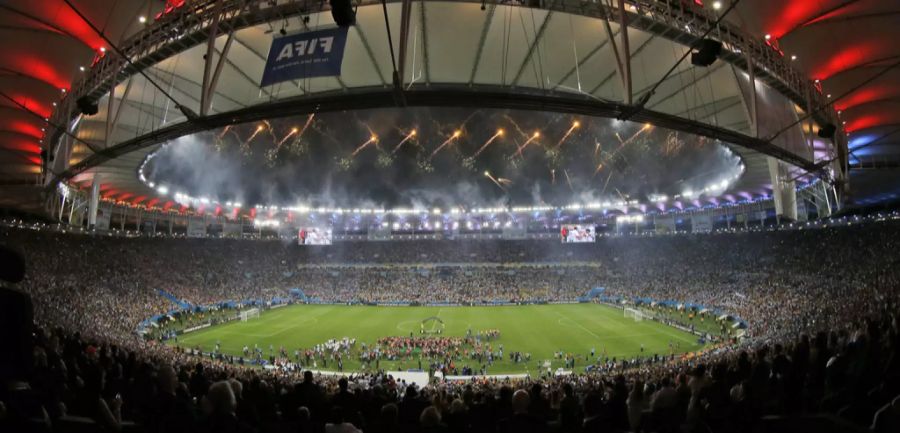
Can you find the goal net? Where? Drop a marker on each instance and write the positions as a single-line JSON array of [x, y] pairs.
[[635, 314], [252, 313]]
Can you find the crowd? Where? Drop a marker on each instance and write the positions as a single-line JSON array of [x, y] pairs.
[[821, 305]]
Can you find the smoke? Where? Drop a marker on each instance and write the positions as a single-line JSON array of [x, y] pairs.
[[601, 160]]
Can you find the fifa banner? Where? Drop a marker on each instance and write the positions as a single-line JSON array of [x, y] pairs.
[[317, 53], [664, 225], [231, 230], [103, 216], [577, 233], [701, 224], [196, 228], [314, 236]]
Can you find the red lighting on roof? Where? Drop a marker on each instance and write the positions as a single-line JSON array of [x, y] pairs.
[[868, 94], [21, 144], [792, 14], [850, 56], [870, 121], [23, 127]]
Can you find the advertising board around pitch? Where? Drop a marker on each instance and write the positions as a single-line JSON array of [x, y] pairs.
[[318, 53]]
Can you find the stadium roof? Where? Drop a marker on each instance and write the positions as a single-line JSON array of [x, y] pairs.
[[562, 47]]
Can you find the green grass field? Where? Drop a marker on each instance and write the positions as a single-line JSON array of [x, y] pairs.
[[537, 329]]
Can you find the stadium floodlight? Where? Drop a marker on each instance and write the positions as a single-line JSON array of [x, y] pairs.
[[162, 190]]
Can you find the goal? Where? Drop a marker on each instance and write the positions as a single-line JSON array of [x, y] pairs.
[[252, 313], [635, 314]]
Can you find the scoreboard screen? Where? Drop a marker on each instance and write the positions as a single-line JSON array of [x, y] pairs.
[[314, 236], [577, 233]]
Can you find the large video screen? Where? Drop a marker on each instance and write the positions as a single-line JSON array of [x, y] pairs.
[[314, 236], [577, 233]]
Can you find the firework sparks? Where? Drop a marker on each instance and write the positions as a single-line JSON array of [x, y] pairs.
[[552, 176], [405, 139], [568, 180], [255, 133], [533, 137], [293, 132], [487, 174], [372, 139], [515, 125], [306, 125], [624, 143], [224, 131], [572, 128], [455, 135], [488, 142], [271, 130], [504, 181]]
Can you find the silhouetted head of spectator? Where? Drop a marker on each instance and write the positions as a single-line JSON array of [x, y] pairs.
[[12, 265], [343, 384], [389, 414], [16, 319], [303, 414], [308, 376], [411, 392], [220, 399], [430, 417], [520, 402]]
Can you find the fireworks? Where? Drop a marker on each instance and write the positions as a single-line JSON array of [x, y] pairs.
[[533, 137], [622, 145], [256, 132], [487, 174], [372, 139], [574, 126], [456, 134], [405, 139], [488, 142]]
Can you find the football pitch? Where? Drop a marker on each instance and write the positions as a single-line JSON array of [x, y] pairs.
[[540, 330]]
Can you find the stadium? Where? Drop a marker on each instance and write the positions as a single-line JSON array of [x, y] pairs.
[[449, 216]]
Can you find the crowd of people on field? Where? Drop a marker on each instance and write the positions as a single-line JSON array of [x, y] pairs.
[[821, 306]]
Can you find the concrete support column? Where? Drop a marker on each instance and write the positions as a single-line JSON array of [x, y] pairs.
[[94, 203], [784, 191]]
